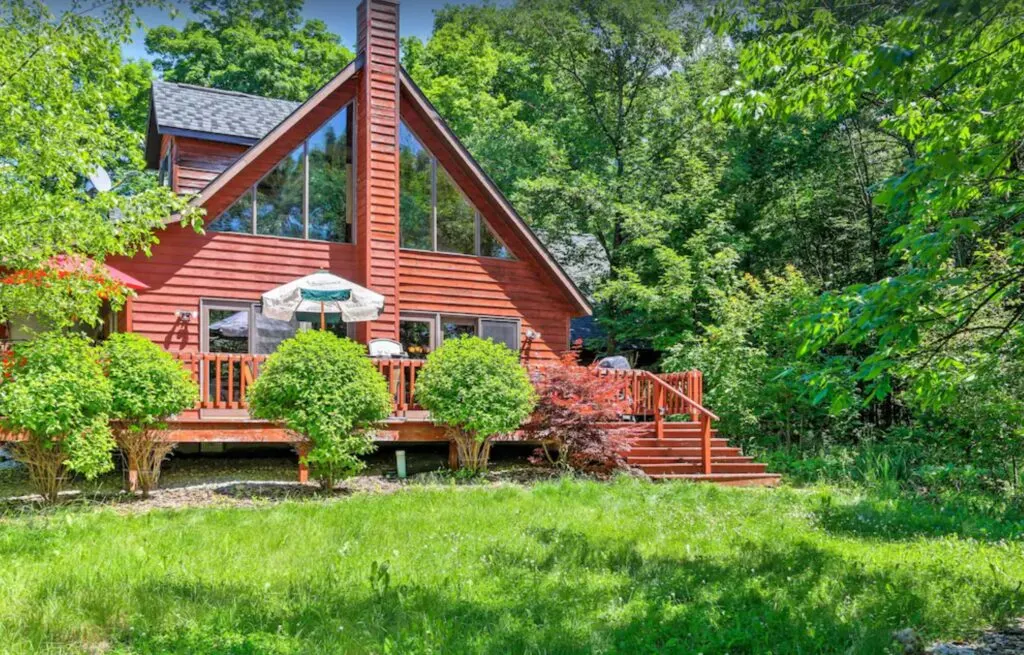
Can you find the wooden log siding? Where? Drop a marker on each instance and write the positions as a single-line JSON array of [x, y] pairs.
[[186, 267], [459, 284], [197, 162], [377, 160]]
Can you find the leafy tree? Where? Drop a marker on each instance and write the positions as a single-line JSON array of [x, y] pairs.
[[65, 96], [147, 386], [253, 46], [748, 357], [942, 79], [479, 390], [55, 397], [327, 390]]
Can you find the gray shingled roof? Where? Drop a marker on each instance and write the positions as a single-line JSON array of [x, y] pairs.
[[238, 116]]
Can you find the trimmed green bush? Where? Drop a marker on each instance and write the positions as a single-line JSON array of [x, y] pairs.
[[54, 395], [479, 390], [147, 386], [326, 389]]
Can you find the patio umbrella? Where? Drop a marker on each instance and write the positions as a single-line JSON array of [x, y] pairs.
[[323, 292]]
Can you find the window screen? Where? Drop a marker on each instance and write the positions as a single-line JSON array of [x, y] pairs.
[[506, 332]]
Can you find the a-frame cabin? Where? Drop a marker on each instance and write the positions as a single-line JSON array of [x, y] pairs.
[[366, 181]]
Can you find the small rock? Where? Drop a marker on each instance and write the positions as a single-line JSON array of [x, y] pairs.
[[910, 641], [951, 649]]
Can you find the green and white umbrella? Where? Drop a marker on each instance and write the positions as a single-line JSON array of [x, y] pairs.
[[323, 292]]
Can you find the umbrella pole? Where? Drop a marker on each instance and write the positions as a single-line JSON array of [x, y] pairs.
[[323, 320]]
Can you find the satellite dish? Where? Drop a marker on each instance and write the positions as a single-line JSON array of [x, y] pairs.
[[99, 181]]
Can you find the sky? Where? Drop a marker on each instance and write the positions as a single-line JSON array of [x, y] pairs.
[[416, 18]]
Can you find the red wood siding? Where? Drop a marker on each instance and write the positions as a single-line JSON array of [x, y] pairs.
[[377, 159], [186, 267], [197, 162], [436, 282]]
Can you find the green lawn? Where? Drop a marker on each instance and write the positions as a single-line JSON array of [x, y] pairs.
[[564, 567]]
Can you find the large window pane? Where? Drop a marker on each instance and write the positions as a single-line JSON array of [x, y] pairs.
[[490, 246], [236, 218], [506, 332], [453, 327], [279, 198], [270, 332], [414, 170], [228, 330], [330, 161], [415, 336], [456, 218]]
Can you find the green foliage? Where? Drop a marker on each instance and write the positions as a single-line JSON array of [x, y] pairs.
[[748, 357], [147, 384], [71, 66], [941, 79], [55, 394], [253, 46], [326, 389], [628, 567], [477, 387]]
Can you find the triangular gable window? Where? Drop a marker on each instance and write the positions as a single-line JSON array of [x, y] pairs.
[[435, 215], [306, 196]]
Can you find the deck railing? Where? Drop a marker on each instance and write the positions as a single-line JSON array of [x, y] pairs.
[[224, 379]]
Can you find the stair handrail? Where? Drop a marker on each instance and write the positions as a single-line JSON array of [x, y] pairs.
[[705, 418], [689, 401]]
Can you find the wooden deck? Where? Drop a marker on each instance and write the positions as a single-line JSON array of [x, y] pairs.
[[673, 437]]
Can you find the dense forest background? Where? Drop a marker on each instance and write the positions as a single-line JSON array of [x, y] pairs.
[[817, 204]]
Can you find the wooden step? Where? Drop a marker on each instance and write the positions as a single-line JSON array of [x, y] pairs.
[[731, 479], [667, 442], [696, 467], [679, 452], [695, 459]]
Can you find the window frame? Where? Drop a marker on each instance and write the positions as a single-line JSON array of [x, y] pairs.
[[252, 306], [435, 319], [165, 174], [478, 218], [351, 213], [206, 304]]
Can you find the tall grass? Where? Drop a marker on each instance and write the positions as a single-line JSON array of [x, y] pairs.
[[568, 567]]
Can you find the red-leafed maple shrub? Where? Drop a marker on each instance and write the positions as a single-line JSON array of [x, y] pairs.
[[573, 405]]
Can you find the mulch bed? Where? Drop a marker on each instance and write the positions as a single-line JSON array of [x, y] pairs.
[[248, 493]]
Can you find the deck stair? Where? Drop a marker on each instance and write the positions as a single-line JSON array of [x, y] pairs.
[[677, 456]]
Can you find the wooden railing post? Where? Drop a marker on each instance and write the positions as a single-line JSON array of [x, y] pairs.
[[705, 443], [659, 421]]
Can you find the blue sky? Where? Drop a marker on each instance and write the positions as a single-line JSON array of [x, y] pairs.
[[416, 18]]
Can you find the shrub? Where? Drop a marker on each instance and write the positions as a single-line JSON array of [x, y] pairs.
[[479, 390], [572, 404], [147, 386], [326, 389], [55, 397]]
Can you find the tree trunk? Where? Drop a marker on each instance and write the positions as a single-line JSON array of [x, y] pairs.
[[144, 450], [46, 469], [473, 452]]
